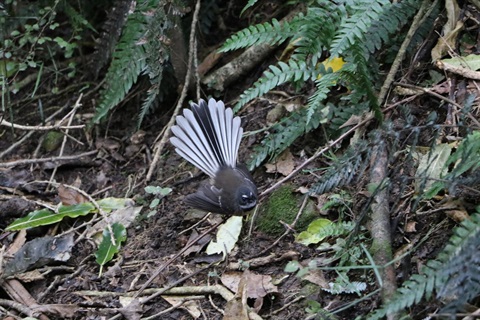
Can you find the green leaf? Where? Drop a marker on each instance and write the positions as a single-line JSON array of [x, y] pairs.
[[292, 266], [106, 249], [154, 203], [158, 190], [34, 219], [76, 210], [315, 232], [45, 216], [472, 61]]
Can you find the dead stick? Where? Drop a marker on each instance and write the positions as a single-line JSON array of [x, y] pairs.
[[159, 147]]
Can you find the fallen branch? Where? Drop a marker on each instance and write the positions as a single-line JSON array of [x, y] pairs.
[[29, 134], [244, 63], [15, 163], [40, 128]]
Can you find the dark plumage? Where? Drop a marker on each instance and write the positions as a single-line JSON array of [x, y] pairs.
[[208, 136]]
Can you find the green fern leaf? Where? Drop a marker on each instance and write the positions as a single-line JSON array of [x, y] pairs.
[[454, 273], [388, 23], [250, 3], [352, 163], [283, 135], [317, 30], [293, 71], [129, 61], [269, 32], [354, 28]]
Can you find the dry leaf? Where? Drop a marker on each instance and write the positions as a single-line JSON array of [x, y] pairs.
[[275, 114], [69, 196], [455, 210], [303, 190], [124, 216], [237, 309], [317, 277], [450, 31], [138, 137], [411, 226], [285, 164], [258, 285], [457, 215], [190, 305], [292, 105], [19, 241]]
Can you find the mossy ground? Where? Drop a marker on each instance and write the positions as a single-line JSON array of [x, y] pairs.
[[283, 205]]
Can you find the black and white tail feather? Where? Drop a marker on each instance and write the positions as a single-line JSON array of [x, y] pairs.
[[208, 136]]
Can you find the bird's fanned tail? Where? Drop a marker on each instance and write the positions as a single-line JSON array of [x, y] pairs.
[[208, 136]]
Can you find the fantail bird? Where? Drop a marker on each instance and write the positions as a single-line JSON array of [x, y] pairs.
[[208, 136]]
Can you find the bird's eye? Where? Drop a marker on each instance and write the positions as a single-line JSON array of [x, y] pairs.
[[247, 200]]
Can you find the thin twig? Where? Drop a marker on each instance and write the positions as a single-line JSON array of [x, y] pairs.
[[159, 147], [64, 142], [17, 306], [403, 49], [40, 128], [319, 152], [439, 96], [29, 134], [15, 163], [287, 231]]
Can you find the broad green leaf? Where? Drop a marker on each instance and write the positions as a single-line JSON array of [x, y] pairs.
[[154, 203], [165, 191], [152, 189], [314, 233], [34, 219], [45, 216], [76, 210], [106, 249]]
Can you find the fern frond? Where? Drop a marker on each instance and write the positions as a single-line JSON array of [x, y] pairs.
[[466, 156], [464, 159], [157, 52], [360, 76], [293, 71], [352, 163], [454, 273], [463, 282], [129, 60], [77, 20], [354, 28], [317, 30], [147, 103], [249, 4], [388, 23], [315, 102], [268, 32], [284, 134]]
